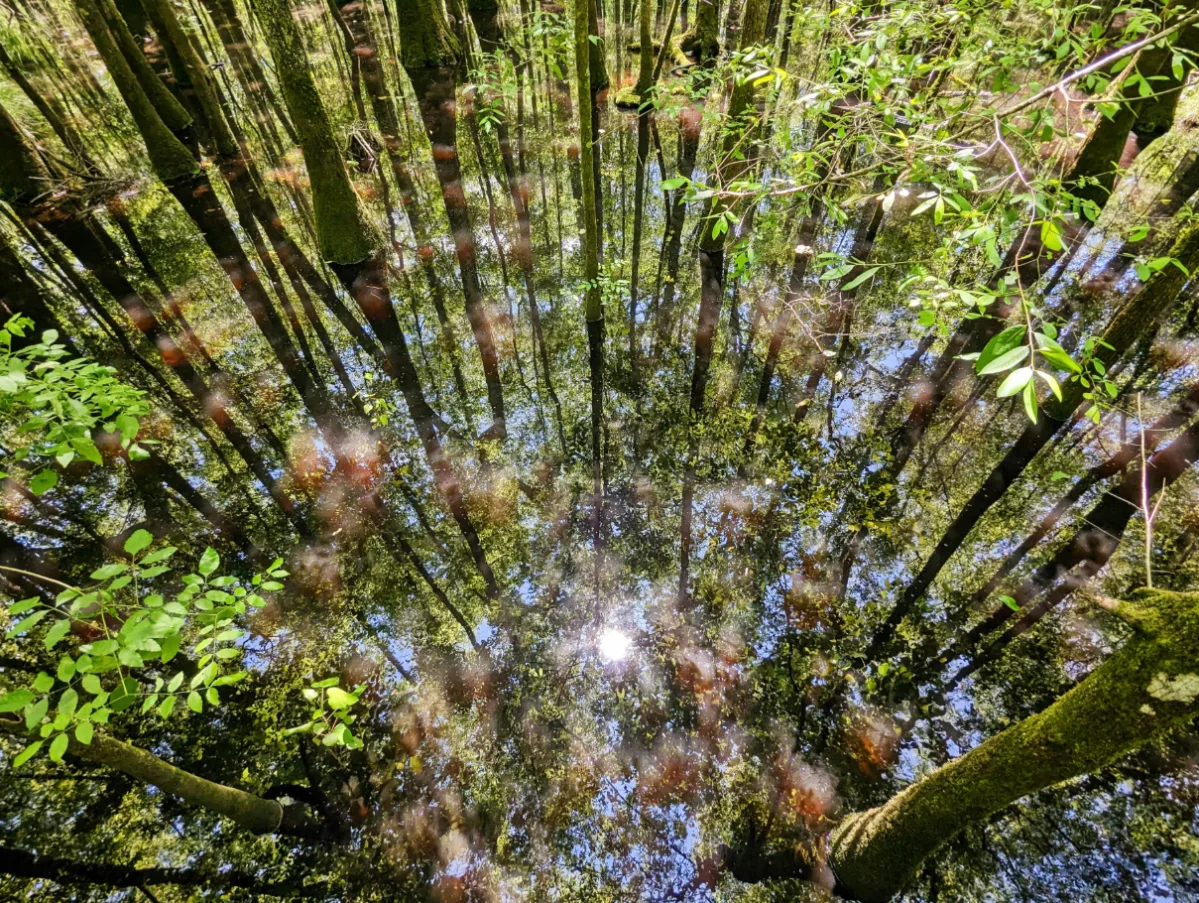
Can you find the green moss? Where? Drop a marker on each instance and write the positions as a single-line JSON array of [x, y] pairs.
[[427, 41], [1137, 694], [344, 230], [627, 98]]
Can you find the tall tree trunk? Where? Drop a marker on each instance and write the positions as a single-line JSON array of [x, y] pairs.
[[435, 90], [645, 74], [593, 303], [173, 113], [704, 37]]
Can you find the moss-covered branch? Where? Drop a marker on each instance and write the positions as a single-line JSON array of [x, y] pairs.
[[261, 816], [1148, 687]]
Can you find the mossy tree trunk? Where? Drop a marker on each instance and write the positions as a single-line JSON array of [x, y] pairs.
[[343, 229], [171, 33], [248, 811], [427, 40], [595, 51], [645, 75], [1097, 165], [1145, 689], [168, 155], [357, 19], [173, 113], [703, 39]]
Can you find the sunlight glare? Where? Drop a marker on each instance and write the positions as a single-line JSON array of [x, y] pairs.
[[614, 645]]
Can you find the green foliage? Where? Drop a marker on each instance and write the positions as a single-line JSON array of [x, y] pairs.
[[59, 401], [330, 717], [126, 627]]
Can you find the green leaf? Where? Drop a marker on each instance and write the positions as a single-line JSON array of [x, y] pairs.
[[91, 683], [83, 732], [175, 683], [109, 571], [1050, 235], [58, 746], [1014, 382], [43, 682], [213, 697], [1005, 361], [1012, 337], [209, 562], [167, 706], [1010, 602], [25, 624], [15, 700], [35, 712], [159, 555], [66, 668], [1052, 383], [672, 184], [87, 450], [19, 608], [138, 541], [1060, 359], [43, 482], [1030, 400], [27, 753], [128, 426], [194, 702], [56, 632], [124, 694], [130, 659], [68, 702], [339, 699], [858, 280], [170, 646], [327, 682]]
